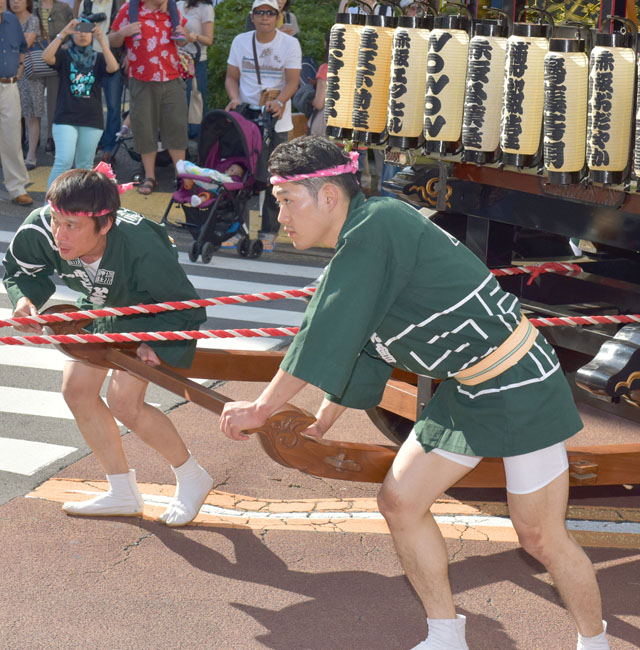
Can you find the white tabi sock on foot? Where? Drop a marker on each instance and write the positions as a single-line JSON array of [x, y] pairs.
[[122, 499], [194, 483], [598, 642], [445, 634]]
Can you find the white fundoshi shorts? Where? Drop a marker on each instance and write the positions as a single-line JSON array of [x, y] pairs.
[[525, 473]]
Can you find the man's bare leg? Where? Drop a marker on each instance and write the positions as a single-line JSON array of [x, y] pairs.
[[125, 397], [414, 482], [81, 384], [539, 520], [126, 401]]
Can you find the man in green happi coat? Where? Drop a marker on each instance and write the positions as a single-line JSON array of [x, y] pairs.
[[400, 292], [113, 258]]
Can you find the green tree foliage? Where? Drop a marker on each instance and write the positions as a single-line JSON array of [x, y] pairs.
[[315, 18]]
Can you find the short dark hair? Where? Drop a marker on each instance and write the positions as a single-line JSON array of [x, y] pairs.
[[85, 190], [310, 153]]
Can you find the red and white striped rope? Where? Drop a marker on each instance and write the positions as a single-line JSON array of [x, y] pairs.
[[563, 268], [177, 305], [139, 337], [189, 335], [620, 319]]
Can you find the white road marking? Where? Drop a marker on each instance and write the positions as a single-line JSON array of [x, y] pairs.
[[587, 525], [27, 457]]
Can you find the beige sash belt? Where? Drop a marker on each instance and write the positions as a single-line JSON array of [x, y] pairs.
[[520, 341]]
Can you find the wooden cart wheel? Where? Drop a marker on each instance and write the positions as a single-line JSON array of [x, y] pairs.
[[393, 426]]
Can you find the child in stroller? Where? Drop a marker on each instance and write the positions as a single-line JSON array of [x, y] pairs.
[[215, 196]]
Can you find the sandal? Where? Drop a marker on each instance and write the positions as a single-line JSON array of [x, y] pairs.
[[147, 186]]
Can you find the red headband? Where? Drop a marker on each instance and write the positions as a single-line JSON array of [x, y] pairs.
[[103, 168]]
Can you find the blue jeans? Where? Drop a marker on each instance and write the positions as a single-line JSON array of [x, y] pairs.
[[202, 76], [77, 143], [112, 88]]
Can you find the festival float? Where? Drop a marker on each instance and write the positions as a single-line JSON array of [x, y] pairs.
[[517, 127]]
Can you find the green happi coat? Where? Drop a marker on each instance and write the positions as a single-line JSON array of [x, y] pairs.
[[402, 292], [139, 266]]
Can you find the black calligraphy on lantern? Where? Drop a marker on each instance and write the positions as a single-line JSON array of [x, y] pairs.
[[398, 85], [555, 110], [600, 105], [434, 121], [369, 48], [335, 63], [473, 120], [513, 107]]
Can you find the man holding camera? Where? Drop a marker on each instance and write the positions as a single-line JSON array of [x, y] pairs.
[[264, 67]]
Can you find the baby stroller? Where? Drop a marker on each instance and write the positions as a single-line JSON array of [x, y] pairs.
[[215, 208]]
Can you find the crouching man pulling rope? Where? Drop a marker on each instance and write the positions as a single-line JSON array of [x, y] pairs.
[[113, 257], [401, 292]]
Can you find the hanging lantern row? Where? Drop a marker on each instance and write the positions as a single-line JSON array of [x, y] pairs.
[[488, 90]]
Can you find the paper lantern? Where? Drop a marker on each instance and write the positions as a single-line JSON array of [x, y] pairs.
[[445, 84], [408, 81], [483, 92], [523, 95], [566, 81], [372, 80], [344, 41], [612, 69]]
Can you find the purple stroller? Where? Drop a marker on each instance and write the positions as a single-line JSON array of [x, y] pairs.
[[226, 137]]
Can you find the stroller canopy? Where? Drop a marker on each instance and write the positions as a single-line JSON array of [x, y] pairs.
[[226, 134]]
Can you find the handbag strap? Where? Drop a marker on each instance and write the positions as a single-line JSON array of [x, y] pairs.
[[255, 58]]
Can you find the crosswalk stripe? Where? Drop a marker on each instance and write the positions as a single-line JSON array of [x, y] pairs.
[[27, 456], [25, 356], [259, 266], [28, 401]]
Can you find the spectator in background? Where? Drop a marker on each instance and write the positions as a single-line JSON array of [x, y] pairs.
[[317, 122], [199, 32], [53, 16], [31, 90], [77, 125], [158, 93], [277, 68], [13, 47], [112, 83], [287, 21]]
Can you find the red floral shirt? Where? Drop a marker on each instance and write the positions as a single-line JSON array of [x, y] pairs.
[[154, 57]]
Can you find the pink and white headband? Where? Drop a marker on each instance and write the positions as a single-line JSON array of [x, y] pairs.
[[348, 168], [103, 168]]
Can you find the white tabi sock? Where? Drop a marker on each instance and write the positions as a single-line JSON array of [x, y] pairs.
[[122, 499], [598, 642], [445, 634], [193, 486]]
